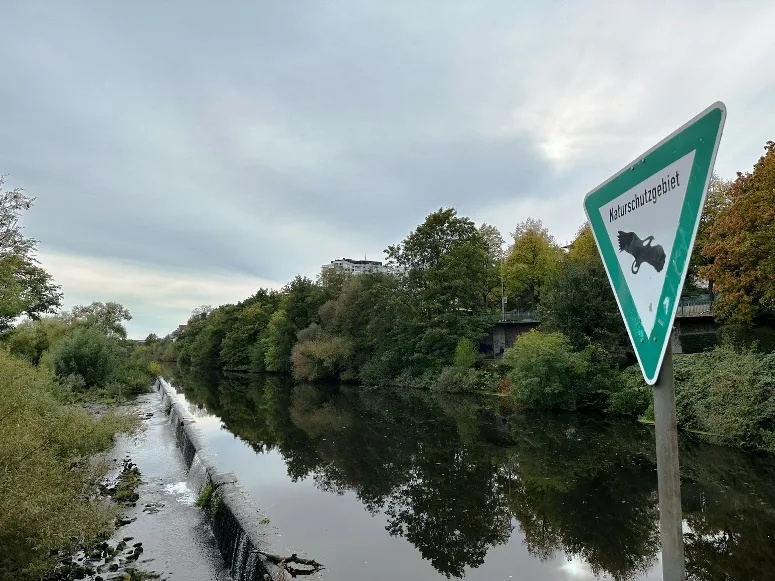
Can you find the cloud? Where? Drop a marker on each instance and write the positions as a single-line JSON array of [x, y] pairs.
[[158, 300], [260, 141]]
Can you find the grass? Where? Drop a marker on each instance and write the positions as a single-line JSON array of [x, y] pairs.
[[49, 480], [206, 497]]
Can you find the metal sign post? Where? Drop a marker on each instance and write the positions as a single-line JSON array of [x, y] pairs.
[[669, 482], [644, 220]]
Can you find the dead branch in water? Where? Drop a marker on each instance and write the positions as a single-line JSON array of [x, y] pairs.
[[287, 564]]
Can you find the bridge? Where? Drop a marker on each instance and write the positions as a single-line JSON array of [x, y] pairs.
[[693, 317]]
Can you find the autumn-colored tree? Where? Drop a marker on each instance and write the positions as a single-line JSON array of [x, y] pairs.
[[583, 246], [741, 246], [718, 199], [531, 261]]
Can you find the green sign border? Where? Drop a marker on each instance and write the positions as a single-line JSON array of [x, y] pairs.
[[702, 135]]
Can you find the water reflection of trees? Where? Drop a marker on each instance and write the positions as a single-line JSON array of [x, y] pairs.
[[450, 473]]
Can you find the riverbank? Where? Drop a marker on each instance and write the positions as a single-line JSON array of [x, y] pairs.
[[726, 395], [242, 533], [174, 534]]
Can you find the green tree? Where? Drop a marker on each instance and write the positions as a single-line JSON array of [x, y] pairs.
[[30, 339], [466, 354], [298, 308], [494, 257], [25, 288], [578, 302], [206, 347], [239, 346], [278, 342], [89, 354], [107, 317], [531, 261], [545, 370], [741, 245], [318, 355], [449, 263]]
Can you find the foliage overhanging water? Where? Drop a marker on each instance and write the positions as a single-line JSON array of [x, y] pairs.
[[387, 484]]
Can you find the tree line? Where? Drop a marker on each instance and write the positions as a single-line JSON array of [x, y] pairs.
[[410, 328]]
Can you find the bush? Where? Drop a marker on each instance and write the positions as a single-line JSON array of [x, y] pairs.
[[406, 379], [319, 355], [634, 396], [454, 379], [728, 395], [545, 371], [699, 342], [757, 338], [30, 339], [87, 359], [89, 353], [466, 354], [47, 479]]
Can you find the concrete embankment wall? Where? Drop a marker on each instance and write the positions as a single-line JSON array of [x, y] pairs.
[[233, 518]]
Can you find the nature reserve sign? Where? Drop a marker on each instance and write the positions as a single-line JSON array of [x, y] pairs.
[[644, 220]]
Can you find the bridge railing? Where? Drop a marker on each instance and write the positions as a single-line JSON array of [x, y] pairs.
[[696, 306], [694, 310], [513, 317]]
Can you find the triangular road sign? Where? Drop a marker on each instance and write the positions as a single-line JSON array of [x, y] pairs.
[[644, 220]]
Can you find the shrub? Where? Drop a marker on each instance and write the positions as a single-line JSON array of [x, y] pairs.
[[757, 338], [47, 478], [466, 354], [699, 342], [545, 371], [406, 379], [30, 339], [457, 378], [87, 359], [319, 355], [727, 394], [634, 396], [89, 353]]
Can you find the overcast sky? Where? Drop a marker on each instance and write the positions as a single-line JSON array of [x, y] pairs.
[[189, 152]]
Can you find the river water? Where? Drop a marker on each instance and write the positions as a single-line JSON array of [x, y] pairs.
[[392, 484]]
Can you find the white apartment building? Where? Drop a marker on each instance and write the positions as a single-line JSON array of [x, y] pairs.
[[351, 266]]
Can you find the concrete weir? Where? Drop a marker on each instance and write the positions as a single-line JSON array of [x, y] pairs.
[[234, 519]]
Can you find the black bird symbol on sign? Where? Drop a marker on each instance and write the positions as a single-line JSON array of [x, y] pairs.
[[642, 251]]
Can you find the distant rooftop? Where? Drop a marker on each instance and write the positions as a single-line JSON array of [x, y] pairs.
[[353, 261]]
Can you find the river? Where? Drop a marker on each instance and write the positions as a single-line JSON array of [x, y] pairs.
[[385, 484]]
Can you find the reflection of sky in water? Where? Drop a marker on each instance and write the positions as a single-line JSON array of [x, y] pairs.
[[334, 527]]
